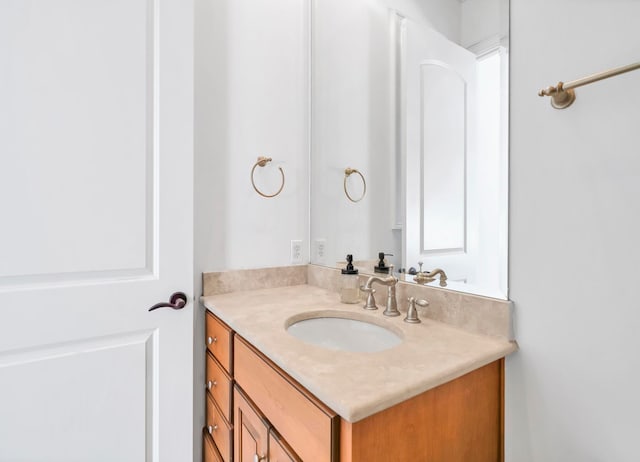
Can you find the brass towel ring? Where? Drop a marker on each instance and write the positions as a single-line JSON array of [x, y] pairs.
[[347, 172], [262, 161]]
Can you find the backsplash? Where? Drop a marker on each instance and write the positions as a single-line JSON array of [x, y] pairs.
[[474, 313], [223, 282], [484, 315]]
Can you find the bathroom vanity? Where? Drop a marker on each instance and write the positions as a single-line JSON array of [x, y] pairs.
[[436, 396]]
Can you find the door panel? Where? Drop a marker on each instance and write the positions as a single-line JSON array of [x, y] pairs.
[[96, 203], [78, 411], [77, 138], [441, 212], [443, 114]]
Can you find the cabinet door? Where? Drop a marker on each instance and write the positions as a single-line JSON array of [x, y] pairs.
[[251, 431], [304, 422], [279, 450]]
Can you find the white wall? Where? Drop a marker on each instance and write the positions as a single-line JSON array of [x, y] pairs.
[[251, 100], [441, 15], [572, 390], [483, 21]]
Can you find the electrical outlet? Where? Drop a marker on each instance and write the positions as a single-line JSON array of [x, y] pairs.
[[320, 251], [296, 252]]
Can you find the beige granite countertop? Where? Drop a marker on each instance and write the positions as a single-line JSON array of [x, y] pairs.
[[354, 385]]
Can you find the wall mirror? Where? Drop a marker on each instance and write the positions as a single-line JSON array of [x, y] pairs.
[[409, 137]]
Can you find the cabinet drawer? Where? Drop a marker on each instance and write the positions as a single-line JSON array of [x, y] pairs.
[[219, 385], [309, 427], [219, 341], [219, 429], [210, 452]]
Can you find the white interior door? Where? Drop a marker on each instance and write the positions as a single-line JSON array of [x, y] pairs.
[[441, 208], [96, 166]]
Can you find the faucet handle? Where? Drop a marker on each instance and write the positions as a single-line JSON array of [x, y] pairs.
[[371, 301], [412, 312]]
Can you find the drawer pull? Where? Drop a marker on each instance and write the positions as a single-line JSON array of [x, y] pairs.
[[211, 384], [212, 429], [257, 458], [211, 340]]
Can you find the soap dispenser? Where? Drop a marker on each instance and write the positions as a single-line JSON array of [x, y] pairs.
[[382, 266], [350, 283]]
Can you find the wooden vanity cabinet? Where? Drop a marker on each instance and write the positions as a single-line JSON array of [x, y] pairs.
[[275, 419], [460, 421]]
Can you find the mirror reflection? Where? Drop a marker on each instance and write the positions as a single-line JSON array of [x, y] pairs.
[[409, 140]]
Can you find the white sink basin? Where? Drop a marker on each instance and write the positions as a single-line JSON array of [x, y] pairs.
[[338, 332]]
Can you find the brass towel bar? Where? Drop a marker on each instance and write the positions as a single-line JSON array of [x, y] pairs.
[[562, 95]]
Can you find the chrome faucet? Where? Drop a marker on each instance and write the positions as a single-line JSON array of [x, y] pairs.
[[390, 282]]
